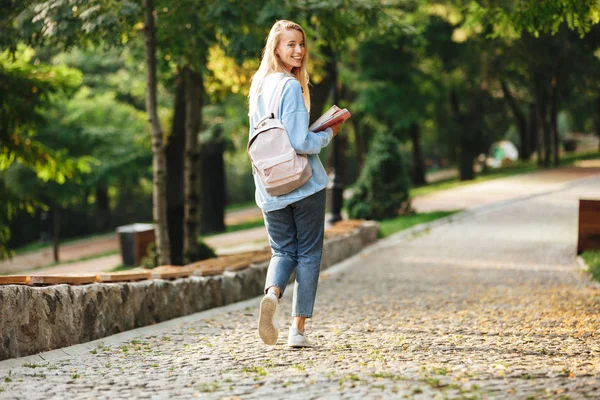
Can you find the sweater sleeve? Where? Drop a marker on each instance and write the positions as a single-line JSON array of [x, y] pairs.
[[294, 117]]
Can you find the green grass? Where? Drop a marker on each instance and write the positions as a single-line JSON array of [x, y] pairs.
[[240, 206], [390, 226], [242, 226], [81, 259], [122, 267], [246, 225], [592, 259], [515, 169], [53, 264]]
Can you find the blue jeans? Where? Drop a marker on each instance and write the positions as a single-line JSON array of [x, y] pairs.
[[296, 239]]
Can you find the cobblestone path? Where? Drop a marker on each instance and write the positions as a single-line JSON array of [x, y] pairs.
[[490, 306]]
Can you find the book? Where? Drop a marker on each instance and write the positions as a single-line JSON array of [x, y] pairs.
[[330, 117]]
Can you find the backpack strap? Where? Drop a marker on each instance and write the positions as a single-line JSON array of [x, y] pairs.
[[276, 99], [273, 110]]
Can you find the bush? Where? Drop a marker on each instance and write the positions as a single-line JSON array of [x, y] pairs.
[[592, 259], [383, 186]]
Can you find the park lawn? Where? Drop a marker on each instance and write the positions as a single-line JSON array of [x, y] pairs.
[[240, 206], [390, 226], [515, 169], [255, 223], [54, 264], [592, 259]]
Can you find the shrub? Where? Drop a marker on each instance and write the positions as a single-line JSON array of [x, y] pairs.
[[383, 186], [150, 261]]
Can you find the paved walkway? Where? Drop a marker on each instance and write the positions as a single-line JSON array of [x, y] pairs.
[[503, 189], [492, 305]]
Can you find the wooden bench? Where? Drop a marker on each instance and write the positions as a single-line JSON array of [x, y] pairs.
[[589, 225]]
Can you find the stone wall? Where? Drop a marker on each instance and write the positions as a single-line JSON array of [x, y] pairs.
[[36, 319]]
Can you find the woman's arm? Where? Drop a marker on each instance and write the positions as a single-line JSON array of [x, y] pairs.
[[294, 117]]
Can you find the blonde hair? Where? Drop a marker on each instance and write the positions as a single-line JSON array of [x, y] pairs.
[[271, 63]]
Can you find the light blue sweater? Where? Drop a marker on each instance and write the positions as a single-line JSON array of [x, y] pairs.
[[294, 116]]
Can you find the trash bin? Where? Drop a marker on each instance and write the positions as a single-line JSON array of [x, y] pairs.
[[570, 145], [134, 240]]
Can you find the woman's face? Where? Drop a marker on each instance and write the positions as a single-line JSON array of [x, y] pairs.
[[291, 48]]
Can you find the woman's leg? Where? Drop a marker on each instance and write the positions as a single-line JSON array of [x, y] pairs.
[[309, 217], [282, 238], [299, 323], [281, 228]]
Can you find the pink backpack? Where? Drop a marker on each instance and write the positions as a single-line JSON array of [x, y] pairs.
[[277, 164]]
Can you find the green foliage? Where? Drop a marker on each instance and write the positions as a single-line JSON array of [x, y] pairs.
[[66, 24], [510, 19], [383, 185], [26, 91], [592, 259], [390, 226], [204, 252], [150, 261]]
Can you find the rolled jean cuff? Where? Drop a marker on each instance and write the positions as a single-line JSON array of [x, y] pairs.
[[302, 315], [274, 284]]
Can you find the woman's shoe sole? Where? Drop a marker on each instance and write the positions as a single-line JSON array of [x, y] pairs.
[[267, 331]]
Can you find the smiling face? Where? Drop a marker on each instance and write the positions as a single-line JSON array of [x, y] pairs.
[[291, 48]]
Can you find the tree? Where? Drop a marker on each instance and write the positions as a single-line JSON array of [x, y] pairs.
[[512, 18], [383, 186], [184, 39], [398, 96], [158, 146], [25, 91]]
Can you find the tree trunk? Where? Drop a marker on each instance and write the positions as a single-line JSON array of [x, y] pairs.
[[598, 121], [193, 122], [360, 140], [525, 151], [554, 113], [159, 192], [102, 208], [532, 131], [543, 127], [542, 162], [321, 91], [212, 185], [465, 156], [55, 211], [337, 158], [547, 135], [418, 167], [175, 148]]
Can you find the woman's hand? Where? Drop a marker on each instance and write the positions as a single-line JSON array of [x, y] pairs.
[[336, 127]]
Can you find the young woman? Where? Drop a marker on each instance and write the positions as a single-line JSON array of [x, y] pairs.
[[295, 221]]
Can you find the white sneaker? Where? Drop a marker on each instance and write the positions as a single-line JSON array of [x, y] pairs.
[[268, 326], [297, 339]]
